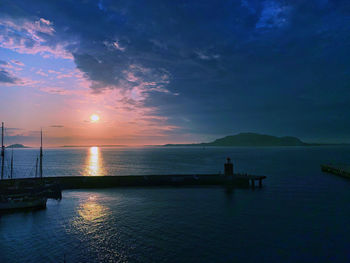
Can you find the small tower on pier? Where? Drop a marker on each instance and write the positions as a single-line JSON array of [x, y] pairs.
[[228, 167]]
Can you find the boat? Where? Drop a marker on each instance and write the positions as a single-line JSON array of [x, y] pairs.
[[12, 202], [15, 195]]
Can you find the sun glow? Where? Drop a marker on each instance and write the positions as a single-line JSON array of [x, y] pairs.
[[94, 118]]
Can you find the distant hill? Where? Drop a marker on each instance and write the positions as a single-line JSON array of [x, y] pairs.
[[250, 139], [17, 145]]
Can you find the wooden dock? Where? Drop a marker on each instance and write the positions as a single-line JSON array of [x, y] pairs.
[[340, 170]]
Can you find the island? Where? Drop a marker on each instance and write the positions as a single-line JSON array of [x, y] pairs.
[[252, 140], [17, 145]]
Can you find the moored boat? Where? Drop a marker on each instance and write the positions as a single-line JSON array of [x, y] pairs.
[[22, 202], [23, 196]]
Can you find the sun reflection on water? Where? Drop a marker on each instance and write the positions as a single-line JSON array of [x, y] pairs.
[[92, 211], [91, 217], [94, 163]]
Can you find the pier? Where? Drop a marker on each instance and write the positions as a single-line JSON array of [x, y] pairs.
[[54, 185], [340, 170], [81, 182]]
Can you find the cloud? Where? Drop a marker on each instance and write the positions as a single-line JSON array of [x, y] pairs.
[[18, 63], [133, 79], [206, 56], [57, 126], [41, 73], [55, 91], [31, 37], [13, 131], [273, 14], [6, 77], [114, 45], [207, 67], [54, 71]]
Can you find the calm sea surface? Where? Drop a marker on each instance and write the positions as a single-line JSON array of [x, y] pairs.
[[300, 214]]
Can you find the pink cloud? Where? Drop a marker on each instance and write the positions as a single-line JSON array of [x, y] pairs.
[[12, 67], [57, 91], [18, 63], [27, 82], [42, 73], [114, 45], [53, 71], [44, 21], [16, 36], [68, 75], [137, 74]]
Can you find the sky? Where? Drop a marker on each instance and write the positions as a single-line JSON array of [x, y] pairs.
[[173, 71]]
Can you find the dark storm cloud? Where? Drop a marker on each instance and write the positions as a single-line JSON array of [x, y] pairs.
[[279, 67]]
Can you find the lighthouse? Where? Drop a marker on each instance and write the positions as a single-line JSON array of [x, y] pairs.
[[228, 167]]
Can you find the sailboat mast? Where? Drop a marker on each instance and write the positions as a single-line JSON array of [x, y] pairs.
[[11, 173], [41, 154], [36, 167], [2, 151]]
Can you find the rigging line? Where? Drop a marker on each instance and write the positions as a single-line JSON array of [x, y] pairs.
[[11, 168], [2, 151], [6, 161], [6, 167], [6, 135], [33, 169], [27, 171]]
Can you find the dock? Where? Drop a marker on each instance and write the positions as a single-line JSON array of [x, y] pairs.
[[54, 185], [81, 182], [340, 170]]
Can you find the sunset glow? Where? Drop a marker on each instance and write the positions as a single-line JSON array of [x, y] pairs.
[[94, 118]]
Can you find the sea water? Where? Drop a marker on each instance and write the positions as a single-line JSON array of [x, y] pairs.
[[299, 215]]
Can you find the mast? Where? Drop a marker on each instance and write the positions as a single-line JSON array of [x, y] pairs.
[[36, 167], [11, 173], [41, 154], [2, 151]]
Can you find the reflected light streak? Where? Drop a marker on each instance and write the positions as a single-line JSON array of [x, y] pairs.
[[91, 215], [94, 163], [92, 211]]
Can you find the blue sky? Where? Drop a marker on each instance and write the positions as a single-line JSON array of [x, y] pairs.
[[175, 71]]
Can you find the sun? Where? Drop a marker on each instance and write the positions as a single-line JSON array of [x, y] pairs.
[[94, 118]]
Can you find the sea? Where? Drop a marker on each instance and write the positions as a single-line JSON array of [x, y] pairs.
[[299, 215]]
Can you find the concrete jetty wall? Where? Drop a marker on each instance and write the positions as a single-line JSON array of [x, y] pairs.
[[340, 170], [80, 182]]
